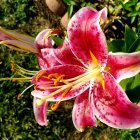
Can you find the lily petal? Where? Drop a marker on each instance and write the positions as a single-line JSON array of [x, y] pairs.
[[41, 42], [47, 59], [123, 65], [82, 113], [85, 36], [45, 50], [40, 112], [19, 45], [64, 54], [112, 106]]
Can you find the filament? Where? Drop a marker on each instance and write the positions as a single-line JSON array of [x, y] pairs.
[[15, 79]]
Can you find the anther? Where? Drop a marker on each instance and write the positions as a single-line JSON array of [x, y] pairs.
[[56, 105], [39, 75], [19, 96], [107, 68], [59, 78], [13, 66], [53, 75]]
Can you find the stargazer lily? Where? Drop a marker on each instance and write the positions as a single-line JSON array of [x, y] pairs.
[[82, 67]]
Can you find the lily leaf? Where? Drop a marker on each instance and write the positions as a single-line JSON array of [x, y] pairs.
[[130, 36], [135, 45], [58, 41], [134, 13], [116, 45], [132, 88], [70, 10]]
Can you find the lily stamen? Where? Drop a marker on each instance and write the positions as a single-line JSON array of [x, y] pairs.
[[53, 75], [59, 78], [56, 105], [18, 79], [77, 83], [39, 75]]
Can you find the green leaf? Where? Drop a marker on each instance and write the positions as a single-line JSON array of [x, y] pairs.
[[58, 41], [130, 36], [69, 2], [129, 4], [132, 87], [70, 10], [135, 45], [116, 45], [134, 13]]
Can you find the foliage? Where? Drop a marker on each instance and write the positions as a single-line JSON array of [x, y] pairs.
[[15, 13]]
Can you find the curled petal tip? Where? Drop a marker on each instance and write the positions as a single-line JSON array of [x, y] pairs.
[[103, 15], [40, 112]]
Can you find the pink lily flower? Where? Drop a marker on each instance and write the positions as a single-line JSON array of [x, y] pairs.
[[82, 67]]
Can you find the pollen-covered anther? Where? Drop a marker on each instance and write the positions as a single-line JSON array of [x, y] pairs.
[[56, 105], [39, 75], [56, 77], [19, 96], [53, 75], [13, 66], [35, 87]]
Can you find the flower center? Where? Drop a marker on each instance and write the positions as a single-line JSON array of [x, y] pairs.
[[62, 85]]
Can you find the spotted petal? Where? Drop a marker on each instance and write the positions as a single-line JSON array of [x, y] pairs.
[[112, 106], [123, 65], [45, 50], [82, 113], [40, 112], [64, 54], [85, 35]]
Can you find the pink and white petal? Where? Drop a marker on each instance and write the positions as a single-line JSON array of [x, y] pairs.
[[45, 49], [40, 112], [82, 113], [85, 36], [41, 42], [103, 14], [112, 106], [64, 54], [123, 65], [47, 59]]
